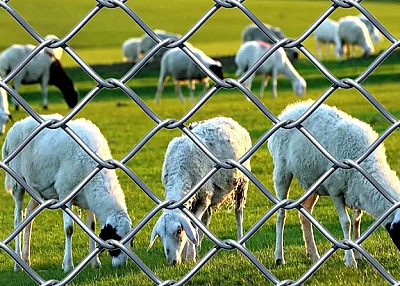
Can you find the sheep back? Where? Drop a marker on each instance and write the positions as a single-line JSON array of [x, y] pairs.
[[185, 163], [53, 164], [345, 137]]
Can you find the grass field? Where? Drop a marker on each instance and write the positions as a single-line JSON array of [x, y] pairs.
[[124, 124]]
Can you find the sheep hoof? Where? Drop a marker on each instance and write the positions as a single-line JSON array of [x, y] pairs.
[[45, 107], [16, 107], [280, 262], [17, 267]]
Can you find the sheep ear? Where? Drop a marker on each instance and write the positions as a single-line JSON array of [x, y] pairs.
[[154, 235], [189, 229]]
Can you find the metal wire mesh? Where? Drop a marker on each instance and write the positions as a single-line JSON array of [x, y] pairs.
[[229, 83]]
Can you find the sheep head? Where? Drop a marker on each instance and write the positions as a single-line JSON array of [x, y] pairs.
[[394, 229], [299, 86], [176, 233], [217, 69], [116, 227]]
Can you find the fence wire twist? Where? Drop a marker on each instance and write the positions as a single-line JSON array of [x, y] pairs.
[[229, 83]]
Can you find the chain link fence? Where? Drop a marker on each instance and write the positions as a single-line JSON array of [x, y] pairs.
[[229, 83]]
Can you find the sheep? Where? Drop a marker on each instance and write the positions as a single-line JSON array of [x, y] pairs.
[[252, 33], [373, 31], [182, 68], [5, 114], [328, 33], [344, 137], [53, 164], [146, 43], [131, 49], [184, 166], [44, 68], [277, 64], [352, 32]]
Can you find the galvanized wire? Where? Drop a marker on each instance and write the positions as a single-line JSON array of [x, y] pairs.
[[229, 83]]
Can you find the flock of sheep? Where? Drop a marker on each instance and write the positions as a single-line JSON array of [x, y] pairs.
[[345, 34], [186, 164]]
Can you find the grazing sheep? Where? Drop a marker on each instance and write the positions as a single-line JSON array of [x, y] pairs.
[[373, 31], [344, 137], [184, 166], [252, 33], [5, 114], [53, 164], [353, 32], [182, 68], [44, 68], [131, 49], [146, 43], [277, 64], [328, 33]]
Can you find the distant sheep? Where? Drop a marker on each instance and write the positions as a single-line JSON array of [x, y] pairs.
[[252, 33], [328, 33], [277, 64], [44, 68], [131, 49], [353, 32], [5, 114], [146, 43], [344, 137], [177, 64], [185, 164], [53, 164], [373, 31]]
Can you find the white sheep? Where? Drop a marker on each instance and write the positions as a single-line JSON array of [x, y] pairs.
[[252, 33], [146, 43], [44, 68], [373, 31], [353, 32], [5, 114], [328, 33], [185, 164], [277, 64], [177, 64], [53, 164], [131, 49], [344, 137]]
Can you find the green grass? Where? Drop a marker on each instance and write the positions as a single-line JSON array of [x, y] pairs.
[[124, 124]]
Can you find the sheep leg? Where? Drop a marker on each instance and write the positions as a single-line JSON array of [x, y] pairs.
[[206, 85], [18, 195], [346, 226], [178, 91], [160, 87], [307, 228], [357, 214], [248, 83], [26, 247], [319, 54], [192, 88], [91, 222], [16, 85], [264, 84], [274, 83], [68, 264], [282, 180], [240, 201], [44, 92]]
